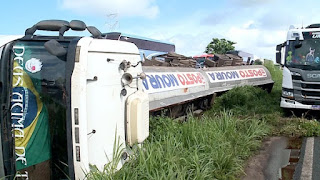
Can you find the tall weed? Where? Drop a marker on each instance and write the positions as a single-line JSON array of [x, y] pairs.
[[211, 148], [247, 101]]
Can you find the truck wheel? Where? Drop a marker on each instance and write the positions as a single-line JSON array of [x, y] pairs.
[[287, 112]]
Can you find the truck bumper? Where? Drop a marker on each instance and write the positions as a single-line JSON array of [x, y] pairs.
[[292, 104]]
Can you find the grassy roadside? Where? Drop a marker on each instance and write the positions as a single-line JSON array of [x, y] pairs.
[[255, 103], [213, 147], [216, 145]]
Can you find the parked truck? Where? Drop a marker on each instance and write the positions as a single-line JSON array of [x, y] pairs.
[[299, 56]]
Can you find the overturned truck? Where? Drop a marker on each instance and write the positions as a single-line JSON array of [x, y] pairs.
[[174, 81], [69, 101]]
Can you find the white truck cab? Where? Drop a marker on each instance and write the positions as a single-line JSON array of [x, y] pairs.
[[68, 102], [300, 57]]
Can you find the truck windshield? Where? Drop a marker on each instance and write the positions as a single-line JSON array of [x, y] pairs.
[[38, 111], [305, 57]]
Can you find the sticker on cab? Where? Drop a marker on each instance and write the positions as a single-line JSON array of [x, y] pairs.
[[33, 65]]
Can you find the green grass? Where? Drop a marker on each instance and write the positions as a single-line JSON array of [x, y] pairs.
[[213, 147], [247, 101], [252, 101], [297, 127], [217, 145], [276, 75]]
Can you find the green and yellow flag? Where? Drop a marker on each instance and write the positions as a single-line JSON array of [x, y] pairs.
[[29, 115]]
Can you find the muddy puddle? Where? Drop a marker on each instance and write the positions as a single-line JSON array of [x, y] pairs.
[[277, 159], [294, 145]]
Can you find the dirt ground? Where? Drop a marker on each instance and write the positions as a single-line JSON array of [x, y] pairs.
[[257, 164]]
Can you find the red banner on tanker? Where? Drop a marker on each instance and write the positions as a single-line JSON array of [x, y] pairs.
[[232, 75], [166, 81]]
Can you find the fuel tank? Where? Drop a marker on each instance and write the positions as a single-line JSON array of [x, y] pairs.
[[167, 86]]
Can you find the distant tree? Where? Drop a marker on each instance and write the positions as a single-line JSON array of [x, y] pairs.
[[258, 62], [219, 46]]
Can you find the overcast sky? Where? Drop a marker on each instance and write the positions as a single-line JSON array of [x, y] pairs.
[[255, 25]]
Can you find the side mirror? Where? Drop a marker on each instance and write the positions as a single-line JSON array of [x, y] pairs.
[[55, 48], [278, 57], [278, 53]]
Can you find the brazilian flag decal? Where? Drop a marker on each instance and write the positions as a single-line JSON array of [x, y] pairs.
[[28, 114]]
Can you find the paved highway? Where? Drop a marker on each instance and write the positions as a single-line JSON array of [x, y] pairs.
[[308, 167]]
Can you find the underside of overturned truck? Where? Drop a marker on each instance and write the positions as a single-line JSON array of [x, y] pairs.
[[175, 85], [178, 84]]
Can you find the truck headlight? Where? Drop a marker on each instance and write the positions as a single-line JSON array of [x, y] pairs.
[[295, 74], [288, 93]]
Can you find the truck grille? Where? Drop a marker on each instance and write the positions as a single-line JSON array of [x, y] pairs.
[[310, 86], [310, 95], [296, 77], [306, 92]]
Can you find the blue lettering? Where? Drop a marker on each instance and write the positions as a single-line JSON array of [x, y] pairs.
[[153, 82], [173, 80], [219, 76], [235, 74], [166, 80], [228, 75], [212, 76], [157, 78], [145, 84], [224, 76]]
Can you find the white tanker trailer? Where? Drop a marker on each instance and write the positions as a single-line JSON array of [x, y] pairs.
[[65, 100], [171, 87], [174, 83]]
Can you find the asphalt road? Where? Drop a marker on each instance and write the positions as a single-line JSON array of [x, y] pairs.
[[278, 158], [308, 167]]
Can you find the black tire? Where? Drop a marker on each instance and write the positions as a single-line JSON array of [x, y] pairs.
[[287, 112], [294, 112]]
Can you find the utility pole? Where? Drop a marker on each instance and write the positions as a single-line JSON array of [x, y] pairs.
[[112, 22]]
